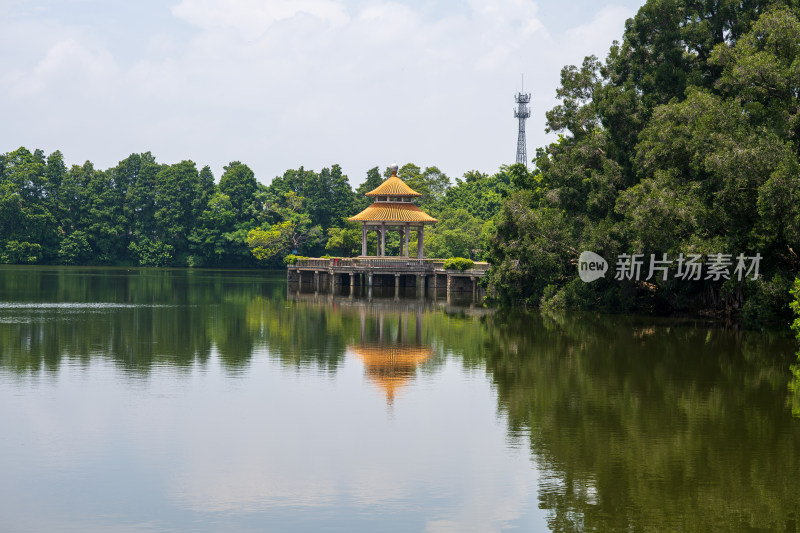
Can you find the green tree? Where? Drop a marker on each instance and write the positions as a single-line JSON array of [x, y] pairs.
[[105, 221], [346, 241], [211, 237], [176, 189], [331, 198], [150, 252], [372, 182], [431, 183], [293, 233], [21, 253], [239, 183], [480, 194], [456, 234], [140, 171], [682, 141], [75, 249], [28, 231]]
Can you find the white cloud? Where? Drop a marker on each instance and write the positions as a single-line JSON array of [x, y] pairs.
[[68, 67], [595, 36], [254, 17]]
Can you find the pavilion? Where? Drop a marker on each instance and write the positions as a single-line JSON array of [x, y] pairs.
[[393, 209]]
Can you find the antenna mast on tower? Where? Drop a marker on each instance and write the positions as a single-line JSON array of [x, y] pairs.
[[522, 112]]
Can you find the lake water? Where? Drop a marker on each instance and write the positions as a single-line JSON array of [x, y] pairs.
[[146, 400]]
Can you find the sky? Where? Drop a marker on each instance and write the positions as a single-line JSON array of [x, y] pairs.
[[279, 84]]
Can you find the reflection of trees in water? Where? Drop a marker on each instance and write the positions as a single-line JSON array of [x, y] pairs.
[[794, 388], [639, 427], [634, 424], [143, 317], [137, 317]]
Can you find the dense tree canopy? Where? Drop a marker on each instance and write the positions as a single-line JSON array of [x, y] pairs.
[[146, 213], [684, 141]]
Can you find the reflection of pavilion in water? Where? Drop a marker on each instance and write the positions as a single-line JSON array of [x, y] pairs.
[[391, 344], [389, 354]]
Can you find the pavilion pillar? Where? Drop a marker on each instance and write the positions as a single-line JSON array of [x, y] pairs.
[[401, 242], [406, 232], [383, 239], [363, 239], [420, 241]]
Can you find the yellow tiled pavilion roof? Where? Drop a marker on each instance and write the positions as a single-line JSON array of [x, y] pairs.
[[393, 186], [391, 367], [393, 212], [392, 357]]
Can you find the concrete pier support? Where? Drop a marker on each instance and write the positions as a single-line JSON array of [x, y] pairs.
[[325, 274]]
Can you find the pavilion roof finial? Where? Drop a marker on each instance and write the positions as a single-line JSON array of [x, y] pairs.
[[393, 168]]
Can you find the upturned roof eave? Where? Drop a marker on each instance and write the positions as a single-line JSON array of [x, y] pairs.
[[393, 186], [393, 212]]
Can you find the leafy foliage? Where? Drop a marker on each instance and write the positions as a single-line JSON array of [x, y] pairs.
[[458, 263], [151, 253], [292, 259], [684, 140]]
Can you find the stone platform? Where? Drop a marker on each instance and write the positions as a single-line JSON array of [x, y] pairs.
[[365, 271]]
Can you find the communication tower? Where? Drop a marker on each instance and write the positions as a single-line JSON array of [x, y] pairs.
[[522, 112]]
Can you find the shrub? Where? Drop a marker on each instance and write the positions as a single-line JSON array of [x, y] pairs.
[[458, 263], [292, 259], [21, 253], [74, 249], [151, 253]]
